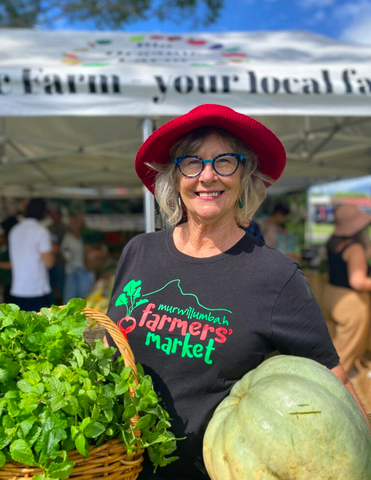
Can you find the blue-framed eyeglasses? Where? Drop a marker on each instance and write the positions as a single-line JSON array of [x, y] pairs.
[[224, 165]]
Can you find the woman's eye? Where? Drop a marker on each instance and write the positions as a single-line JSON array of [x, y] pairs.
[[224, 160], [192, 162]]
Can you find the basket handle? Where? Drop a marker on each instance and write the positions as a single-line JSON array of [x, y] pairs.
[[123, 347], [120, 340]]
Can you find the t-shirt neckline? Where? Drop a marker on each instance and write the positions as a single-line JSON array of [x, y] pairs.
[[189, 259]]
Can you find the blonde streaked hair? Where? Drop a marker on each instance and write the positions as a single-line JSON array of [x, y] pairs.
[[253, 181]]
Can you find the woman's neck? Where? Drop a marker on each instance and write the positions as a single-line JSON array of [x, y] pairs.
[[206, 240]]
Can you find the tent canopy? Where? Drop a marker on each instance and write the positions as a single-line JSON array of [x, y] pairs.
[[73, 103]]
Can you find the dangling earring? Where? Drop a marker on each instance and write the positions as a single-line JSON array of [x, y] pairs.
[[179, 202], [240, 202]]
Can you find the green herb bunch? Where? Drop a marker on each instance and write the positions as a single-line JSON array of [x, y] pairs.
[[58, 393]]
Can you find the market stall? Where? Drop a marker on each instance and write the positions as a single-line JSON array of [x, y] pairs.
[[75, 108]]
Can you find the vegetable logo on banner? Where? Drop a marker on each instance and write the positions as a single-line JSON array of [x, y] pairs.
[[155, 50], [184, 321]]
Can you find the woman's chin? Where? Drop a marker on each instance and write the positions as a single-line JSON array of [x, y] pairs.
[[211, 212]]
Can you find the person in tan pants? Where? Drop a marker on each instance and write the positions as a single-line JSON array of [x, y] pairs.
[[346, 306]]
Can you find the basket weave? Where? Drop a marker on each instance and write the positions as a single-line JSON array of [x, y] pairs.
[[110, 460]]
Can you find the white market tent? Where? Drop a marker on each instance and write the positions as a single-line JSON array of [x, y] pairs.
[[75, 106]]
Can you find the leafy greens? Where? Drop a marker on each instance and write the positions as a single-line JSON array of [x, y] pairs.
[[57, 393]]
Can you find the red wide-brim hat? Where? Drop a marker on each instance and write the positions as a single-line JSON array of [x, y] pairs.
[[156, 149]]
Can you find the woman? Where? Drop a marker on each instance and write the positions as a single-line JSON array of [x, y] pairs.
[[346, 297], [203, 302]]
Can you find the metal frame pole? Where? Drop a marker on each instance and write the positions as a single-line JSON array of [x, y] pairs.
[[149, 199]]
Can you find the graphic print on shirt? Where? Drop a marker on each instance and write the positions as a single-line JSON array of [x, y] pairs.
[[196, 330]]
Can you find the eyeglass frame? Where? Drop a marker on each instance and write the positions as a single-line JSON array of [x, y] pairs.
[[238, 156]]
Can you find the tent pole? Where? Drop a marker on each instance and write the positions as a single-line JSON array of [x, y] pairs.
[[149, 199]]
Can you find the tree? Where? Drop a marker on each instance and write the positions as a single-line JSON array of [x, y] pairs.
[[111, 14]]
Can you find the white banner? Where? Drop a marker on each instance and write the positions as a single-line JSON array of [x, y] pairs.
[[90, 73]]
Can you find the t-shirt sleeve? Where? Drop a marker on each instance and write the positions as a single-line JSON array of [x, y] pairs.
[[45, 241], [298, 326]]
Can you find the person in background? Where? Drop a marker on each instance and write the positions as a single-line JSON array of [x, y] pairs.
[[31, 255], [5, 265], [272, 227], [79, 280], [254, 229], [57, 273], [203, 302], [347, 295]]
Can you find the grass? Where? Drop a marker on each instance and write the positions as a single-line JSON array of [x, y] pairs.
[[323, 229]]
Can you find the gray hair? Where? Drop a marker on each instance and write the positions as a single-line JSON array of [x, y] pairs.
[[253, 181]]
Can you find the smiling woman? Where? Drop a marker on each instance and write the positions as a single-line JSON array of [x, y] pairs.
[[251, 181], [236, 299]]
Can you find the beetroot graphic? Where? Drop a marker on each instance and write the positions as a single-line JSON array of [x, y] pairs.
[[130, 297], [129, 328]]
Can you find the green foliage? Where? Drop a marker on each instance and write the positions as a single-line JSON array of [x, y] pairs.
[[346, 194], [111, 14], [57, 393], [19, 14]]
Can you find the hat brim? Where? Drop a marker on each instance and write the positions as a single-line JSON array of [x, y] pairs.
[[156, 149], [357, 226]]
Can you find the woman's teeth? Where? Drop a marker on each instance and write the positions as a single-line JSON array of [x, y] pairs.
[[209, 194]]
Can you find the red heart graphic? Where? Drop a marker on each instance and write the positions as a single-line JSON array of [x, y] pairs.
[[129, 328]]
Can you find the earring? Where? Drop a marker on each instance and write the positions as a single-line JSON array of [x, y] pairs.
[[240, 202], [179, 202]]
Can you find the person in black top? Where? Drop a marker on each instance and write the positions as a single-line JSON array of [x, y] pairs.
[[255, 230], [203, 301], [346, 297]]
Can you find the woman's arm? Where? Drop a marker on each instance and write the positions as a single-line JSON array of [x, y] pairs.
[[356, 259], [343, 377]]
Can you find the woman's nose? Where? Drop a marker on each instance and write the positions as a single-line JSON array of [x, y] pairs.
[[208, 174]]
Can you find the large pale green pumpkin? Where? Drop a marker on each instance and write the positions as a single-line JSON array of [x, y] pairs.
[[289, 419]]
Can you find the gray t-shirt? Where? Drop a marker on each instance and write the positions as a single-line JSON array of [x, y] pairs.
[[198, 325]]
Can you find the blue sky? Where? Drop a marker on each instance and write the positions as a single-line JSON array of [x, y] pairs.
[[348, 20], [362, 184]]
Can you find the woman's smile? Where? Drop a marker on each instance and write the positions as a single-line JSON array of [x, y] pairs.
[[211, 195]]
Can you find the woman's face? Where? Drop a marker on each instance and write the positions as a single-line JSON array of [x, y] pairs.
[[210, 197]]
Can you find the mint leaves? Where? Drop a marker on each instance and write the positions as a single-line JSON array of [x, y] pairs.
[[57, 393]]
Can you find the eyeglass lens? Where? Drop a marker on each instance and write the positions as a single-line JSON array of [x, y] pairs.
[[225, 165]]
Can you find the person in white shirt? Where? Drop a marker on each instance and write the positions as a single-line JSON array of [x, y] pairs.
[[31, 255]]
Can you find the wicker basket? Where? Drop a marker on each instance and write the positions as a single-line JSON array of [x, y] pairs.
[[110, 460]]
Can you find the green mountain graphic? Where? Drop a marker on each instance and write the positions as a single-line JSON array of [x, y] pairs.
[[177, 281]]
